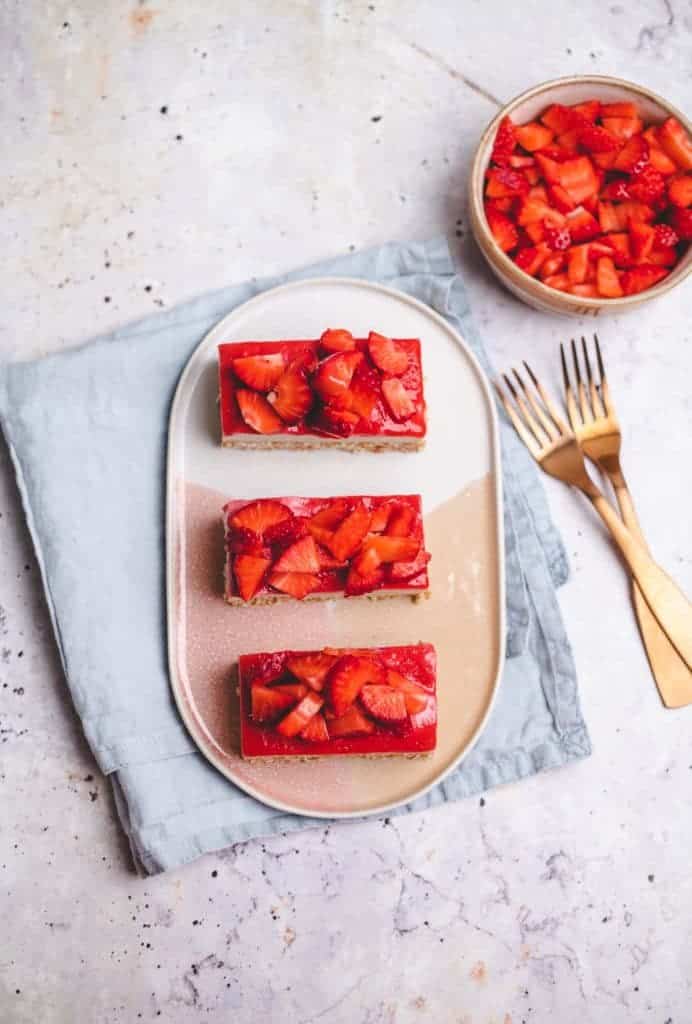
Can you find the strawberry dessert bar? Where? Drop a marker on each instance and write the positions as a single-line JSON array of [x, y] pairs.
[[278, 548], [335, 392], [378, 700]]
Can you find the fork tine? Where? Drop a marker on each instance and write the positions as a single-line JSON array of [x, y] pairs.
[[572, 410], [541, 435], [586, 414], [517, 424], [547, 425], [596, 403], [605, 390], [548, 402]]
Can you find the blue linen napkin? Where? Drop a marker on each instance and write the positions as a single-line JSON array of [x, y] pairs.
[[87, 432]]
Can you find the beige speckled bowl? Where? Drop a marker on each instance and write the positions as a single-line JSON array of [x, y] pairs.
[[526, 107]]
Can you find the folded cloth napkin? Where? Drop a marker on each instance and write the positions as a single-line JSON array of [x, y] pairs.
[[87, 432]]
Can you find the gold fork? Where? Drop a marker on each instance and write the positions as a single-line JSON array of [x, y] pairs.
[[555, 448], [597, 431]]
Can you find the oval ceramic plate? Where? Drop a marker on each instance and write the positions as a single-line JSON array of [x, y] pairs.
[[457, 474]]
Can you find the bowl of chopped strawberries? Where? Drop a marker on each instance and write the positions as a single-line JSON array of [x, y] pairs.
[[581, 195]]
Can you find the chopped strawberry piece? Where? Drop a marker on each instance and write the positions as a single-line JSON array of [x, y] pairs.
[[401, 520], [604, 161], [259, 516], [635, 211], [642, 238], [367, 561], [331, 515], [533, 136], [349, 535], [259, 372], [521, 162], [336, 422], [257, 412], [623, 109], [676, 142], [578, 177], [249, 572], [402, 572], [384, 702], [415, 697], [316, 730], [530, 258], [608, 279], [312, 668], [662, 257], [357, 584], [291, 396], [558, 118], [398, 399], [352, 723], [297, 584], [577, 263], [268, 703], [536, 209], [503, 230], [287, 532], [297, 719], [337, 340], [553, 265], [393, 549], [366, 392], [600, 247], [609, 217], [658, 158], [387, 354], [596, 139], [585, 291], [623, 128], [558, 281], [505, 142], [504, 181], [582, 225], [638, 279], [680, 190], [549, 167], [665, 236], [321, 534], [300, 557], [347, 678], [590, 109], [334, 374], [617, 190], [646, 184], [558, 239], [380, 517], [633, 155], [560, 198], [535, 230], [327, 560], [295, 690], [569, 143], [681, 221], [620, 244], [241, 541]]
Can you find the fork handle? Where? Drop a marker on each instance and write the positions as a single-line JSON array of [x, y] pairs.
[[664, 598]]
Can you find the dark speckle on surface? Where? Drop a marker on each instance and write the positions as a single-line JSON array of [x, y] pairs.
[[178, 138], [214, 873], [106, 298], [164, 109], [378, 117], [93, 795], [651, 878], [89, 778], [481, 802]]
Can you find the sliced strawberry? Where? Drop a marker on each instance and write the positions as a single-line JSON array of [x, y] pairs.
[[633, 155], [538, 192], [259, 372], [503, 230], [331, 515], [384, 702], [558, 118], [337, 340], [295, 690], [589, 109], [582, 225], [604, 161], [288, 531], [401, 572], [347, 678], [400, 403], [380, 517], [608, 279], [367, 561], [536, 209], [241, 541], [311, 668], [530, 258], [352, 723], [681, 221], [676, 142], [316, 730], [533, 136], [665, 236], [560, 198], [558, 239], [334, 374], [365, 392], [577, 263], [268, 703], [535, 230], [300, 557], [504, 181], [638, 279], [624, 109], [585, 291], [336, 422], [578, 177], [393, 549], [553, 265], [680, 190], [291, 396], [623, 128], [387, 355], [270, 668], [349, 534], [415, 697], [617, 190], [596, 139], [521, 162], [658, 157], [620, 244], [505, 142], [646, 184], [401, 520], [297, 584], [259, 516], [249, 572], [635, 211], [297, 719], [568, 143], [600, 247], [662, 257], [257, 412], [558, 281], [327, 560], [642, 237], [357, 584]]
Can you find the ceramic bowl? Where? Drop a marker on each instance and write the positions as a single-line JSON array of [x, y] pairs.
[[527, 107]]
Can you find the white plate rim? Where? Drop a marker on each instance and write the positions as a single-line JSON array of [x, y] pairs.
[[207, 341]]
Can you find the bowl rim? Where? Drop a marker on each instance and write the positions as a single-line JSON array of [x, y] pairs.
[[508, 266]]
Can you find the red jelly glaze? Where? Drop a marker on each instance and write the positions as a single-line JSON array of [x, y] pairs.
[[333, 581], [382, 425], [417, 735]]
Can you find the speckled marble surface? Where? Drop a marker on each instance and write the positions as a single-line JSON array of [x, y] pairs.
[[153, 152]]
